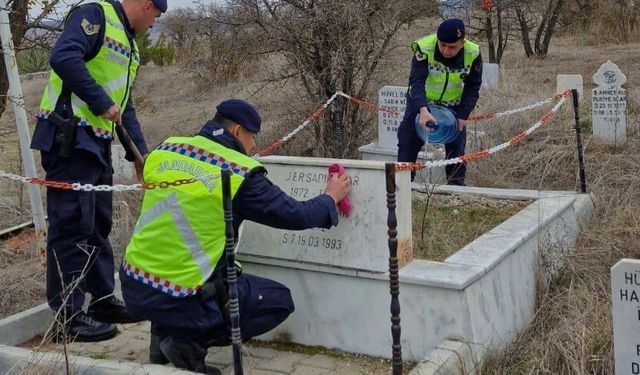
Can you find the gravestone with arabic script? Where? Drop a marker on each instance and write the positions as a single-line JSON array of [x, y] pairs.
[[609, 104]]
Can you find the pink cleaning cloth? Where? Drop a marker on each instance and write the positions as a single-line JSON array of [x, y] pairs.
[[344, 206]]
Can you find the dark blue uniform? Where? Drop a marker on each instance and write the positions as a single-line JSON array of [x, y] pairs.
[[263, 303], [409, 143], [80, 222]]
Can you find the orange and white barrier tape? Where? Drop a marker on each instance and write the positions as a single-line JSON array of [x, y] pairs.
[[486, 153]]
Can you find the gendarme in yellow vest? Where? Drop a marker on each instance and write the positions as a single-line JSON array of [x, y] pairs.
[[444, 85], [114, 68], [179, 236]]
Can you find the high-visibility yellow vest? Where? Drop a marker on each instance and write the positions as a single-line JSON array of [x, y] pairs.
[[179, 237], [444, 85], [114, 68]]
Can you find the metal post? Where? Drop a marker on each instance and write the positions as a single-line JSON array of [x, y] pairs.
[[576, 109], [234, 307], [17, 101], [394, 284]]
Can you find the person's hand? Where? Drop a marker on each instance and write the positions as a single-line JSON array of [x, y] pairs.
[[426, 116], [139, 166], [338, 187], [461, 124], [113, 114]]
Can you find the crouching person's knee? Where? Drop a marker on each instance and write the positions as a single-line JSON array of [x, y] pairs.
[[270, 304]]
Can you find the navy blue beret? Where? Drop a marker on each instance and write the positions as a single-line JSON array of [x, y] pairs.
[[451, 30], [161, 5], [241, 112]]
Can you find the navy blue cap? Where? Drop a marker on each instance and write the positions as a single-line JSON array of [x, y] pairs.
[[241, 112], [451, 30], [161, 5]]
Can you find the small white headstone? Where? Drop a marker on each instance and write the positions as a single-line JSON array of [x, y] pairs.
[[609, 104], [569, 82], [121, 229], [625, 295], [359, 241], [490, 75], [123, 170], [393, 98]]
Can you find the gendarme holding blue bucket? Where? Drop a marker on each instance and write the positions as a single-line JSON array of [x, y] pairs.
[[444, 131]]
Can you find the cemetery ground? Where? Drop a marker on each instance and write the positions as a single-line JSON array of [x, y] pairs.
[[571, 332]]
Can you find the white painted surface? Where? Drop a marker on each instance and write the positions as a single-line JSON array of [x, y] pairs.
[[490, 75], [569, 82], [609, 104], [359, 241], [625, 296], [433, 176]]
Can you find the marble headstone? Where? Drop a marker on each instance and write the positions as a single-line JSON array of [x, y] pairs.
[[122, 226], [490, 75], [391, 98], [609, 104], [359, 241], [625, 295], [568, 82], [123, 171]]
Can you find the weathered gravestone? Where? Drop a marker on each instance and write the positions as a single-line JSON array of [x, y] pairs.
[[390, 98], [625, 295], [490, 75], [359, 241], [568, 82], [123, 170], [122, 226], [609, 104]]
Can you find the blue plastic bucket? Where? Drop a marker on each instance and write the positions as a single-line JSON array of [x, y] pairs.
[[445, 131]]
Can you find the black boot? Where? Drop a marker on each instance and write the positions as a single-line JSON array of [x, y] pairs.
[[188, 355], [83, 328], [156, 356], [112, 310]]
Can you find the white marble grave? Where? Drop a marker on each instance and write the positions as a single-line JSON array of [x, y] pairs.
[[490, 75], [566, 82], [123, 170], [609, 104], [359, 241], [625, 295]]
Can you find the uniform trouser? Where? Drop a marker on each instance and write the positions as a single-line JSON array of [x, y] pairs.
[[410, 144], [78, 248], [264, 304]]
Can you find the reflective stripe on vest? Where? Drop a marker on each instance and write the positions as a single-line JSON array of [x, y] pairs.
[[179, 237], [444, 86], [114, 69]]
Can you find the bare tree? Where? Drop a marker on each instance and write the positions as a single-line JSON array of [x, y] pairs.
[[20, 27], [330, 45], [532, 15]]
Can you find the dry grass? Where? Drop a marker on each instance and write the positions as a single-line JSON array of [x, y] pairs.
[[443, 224]]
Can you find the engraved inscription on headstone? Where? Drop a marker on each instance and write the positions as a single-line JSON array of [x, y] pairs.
[[123, 171], [568, 82], [392, 98], [359, 241], [122, 226], [609, 104], [490, 75], [625, 295]]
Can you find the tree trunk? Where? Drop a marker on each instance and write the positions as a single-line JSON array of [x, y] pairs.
[[17, 20], [490, 39], [551, 28], [524, 30]]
